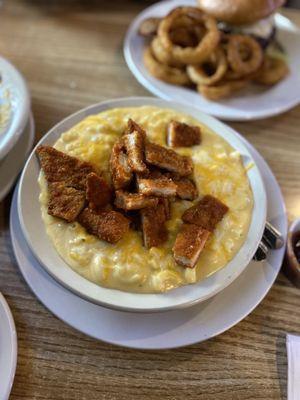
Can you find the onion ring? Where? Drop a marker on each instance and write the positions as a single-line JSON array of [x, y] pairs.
[[273, 70], [199, 74], [162, 55], [163, 72], [206, 44], [244, 54], [222, 89], [149, 27]]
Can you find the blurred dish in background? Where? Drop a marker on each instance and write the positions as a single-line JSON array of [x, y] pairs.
[[8, 349], [12, 164], [14, 106], [222, 58]]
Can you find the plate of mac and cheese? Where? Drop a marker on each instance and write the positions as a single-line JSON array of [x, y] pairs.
[[142, 204]]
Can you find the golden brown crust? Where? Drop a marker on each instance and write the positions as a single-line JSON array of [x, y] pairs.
[[133, 201], [98, 192], [164, 72], [183, 135], [149, 27], [186, 189], [121, 172], [206, 43], [109, 226], [65, 202], [207, 213], [156, 185], [239, 12], [60, 167], [134, 140], [153, 226], [168, 159], [272, 71], [189, 243]]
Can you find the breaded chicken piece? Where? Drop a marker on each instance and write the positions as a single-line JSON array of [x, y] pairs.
[[65, 202], [60, 167], [109, 226], [183, 135], [166, 206], [98, 192], [134, 140], [156, 184], [119, 167], [186, 189], [133, 126], [133, 201], [207, 213], [168, 159], [189, 243], [153, 226]]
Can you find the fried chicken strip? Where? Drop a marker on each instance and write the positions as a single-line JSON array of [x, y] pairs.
[[98, 192], [183, 135], [168, 159], [65, 202], [120, 170], [60, 167], [153, 226], [133, 201], [134, 140], [207, 213], [109, 226], [189, 243]]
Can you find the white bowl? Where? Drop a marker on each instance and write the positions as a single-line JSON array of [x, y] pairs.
[[35, 233], [14, 94]]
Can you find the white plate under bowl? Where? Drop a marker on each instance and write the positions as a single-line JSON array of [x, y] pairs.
[[13, 162], [14, 94], [35, 233], [161, 330], [251, 103], [8, 349]]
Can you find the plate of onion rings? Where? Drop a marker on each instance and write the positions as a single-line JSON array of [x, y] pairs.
[[180, 52]]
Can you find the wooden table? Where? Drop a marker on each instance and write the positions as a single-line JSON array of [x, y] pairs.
[[71, 55]]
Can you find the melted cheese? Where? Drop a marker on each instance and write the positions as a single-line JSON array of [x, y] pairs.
[[127, 265]]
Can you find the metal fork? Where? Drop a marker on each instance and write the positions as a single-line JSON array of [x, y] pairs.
[[271, 240]]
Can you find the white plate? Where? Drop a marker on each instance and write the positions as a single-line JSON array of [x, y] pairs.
[[12, 164], [29, 210], [8, 349], [160, 330], [251, 103], [14, 94]]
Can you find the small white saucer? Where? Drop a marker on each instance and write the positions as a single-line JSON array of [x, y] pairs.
[[14, 96], [12, 164], [160, 330], [251, 103], [8, 349]]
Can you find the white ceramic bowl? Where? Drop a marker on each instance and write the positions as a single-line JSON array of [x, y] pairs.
[[15, 95], [35, 233]]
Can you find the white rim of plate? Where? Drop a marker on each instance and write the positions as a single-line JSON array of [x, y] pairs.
[[15, 82], [12, 352], [24, 145], [280, 21], [178, 298]]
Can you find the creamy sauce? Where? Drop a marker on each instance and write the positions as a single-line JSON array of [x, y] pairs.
[[127, 265]]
